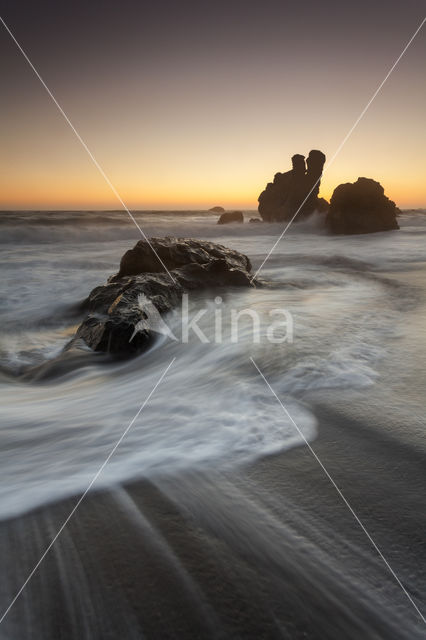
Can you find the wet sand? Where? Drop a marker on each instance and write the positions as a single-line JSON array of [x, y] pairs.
[[269, 551]]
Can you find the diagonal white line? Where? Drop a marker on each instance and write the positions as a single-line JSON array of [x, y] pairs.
[[91, 483], [342, 144], [92, 157], [340, 494]]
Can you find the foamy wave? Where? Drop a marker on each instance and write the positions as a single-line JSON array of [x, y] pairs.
[[213, 409], [57, 439]]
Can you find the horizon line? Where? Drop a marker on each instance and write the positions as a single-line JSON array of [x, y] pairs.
[[161, 210]]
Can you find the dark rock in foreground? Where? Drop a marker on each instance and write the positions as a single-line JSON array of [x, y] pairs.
[[231, 216], [175, 253], [361, 207], [294, 190], [217, 210], [125, 312]]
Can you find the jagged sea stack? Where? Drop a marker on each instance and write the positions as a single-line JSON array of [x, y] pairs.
[[294, 189]]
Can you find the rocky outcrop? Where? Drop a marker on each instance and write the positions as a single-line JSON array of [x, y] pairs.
[[124, 315], [231, 216], [361, 207], [217, 210], [294, 191], [175, 253], [322, 206]]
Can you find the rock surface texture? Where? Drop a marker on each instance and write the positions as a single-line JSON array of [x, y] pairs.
[[125, 312], [294, 189], [231, 216], [361, 207]]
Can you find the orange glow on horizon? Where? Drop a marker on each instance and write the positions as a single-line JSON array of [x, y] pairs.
[[182, 127], [83, 195]]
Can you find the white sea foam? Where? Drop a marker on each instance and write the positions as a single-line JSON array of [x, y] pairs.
[[212, 409]]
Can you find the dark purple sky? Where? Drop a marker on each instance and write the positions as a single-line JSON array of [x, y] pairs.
[[191, 102]]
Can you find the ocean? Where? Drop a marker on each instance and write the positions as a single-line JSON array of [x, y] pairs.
[[213, 441]]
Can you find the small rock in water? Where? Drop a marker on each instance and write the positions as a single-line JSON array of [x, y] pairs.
[[231, 216], [217, 210]]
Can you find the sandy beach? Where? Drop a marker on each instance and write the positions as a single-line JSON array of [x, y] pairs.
[[269, 551]]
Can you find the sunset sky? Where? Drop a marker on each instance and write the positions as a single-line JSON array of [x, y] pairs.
[[189, 104]]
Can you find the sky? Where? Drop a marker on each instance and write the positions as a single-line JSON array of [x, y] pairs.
[[192, 104]]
